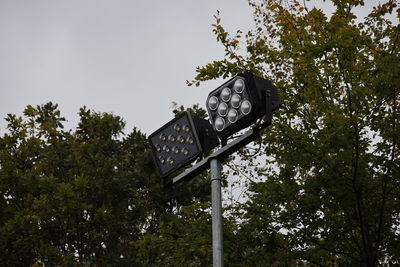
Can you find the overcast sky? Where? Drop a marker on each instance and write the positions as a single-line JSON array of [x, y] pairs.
[[131, 58], [128, 57]]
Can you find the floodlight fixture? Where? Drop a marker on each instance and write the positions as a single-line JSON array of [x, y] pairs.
[[239, 102], [233, 106], [181, 141]]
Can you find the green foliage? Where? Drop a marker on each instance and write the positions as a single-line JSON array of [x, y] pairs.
[[183, 239], [332, 195], [79, 198], [92, 197], [194, 110]]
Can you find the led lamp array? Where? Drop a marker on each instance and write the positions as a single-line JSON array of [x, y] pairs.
[[181, 141], [228, 104]]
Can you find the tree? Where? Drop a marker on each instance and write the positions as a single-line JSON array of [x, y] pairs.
[[331, 187], [90, 196]]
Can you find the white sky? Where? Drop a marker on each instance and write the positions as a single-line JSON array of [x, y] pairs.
[[128, 57], [131, 58]]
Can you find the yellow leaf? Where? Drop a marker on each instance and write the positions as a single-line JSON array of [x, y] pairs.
[[273, 7]]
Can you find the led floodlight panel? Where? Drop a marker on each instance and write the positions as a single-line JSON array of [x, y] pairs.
[[238, 103], [181, 141]]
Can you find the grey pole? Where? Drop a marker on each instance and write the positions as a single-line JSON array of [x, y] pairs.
[[218, 255]]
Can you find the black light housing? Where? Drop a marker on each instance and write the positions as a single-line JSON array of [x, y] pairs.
[[181, 141], [239, 102]]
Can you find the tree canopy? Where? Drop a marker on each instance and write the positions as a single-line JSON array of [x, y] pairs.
[[331, 189], [82, 197]]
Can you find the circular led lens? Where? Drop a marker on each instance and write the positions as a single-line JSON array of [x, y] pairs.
[[223, 109], [186, 128], [190, 140], [158, 148], [245, 108], [166, 149], [226, 94], [235, 101], [161, 159], [219, 124], [185, 151], [172, 138], [239, 86], [177, 127], [163, 137], [232, 115], [213, 103], [170, 160], [176, 150], [181, 139]]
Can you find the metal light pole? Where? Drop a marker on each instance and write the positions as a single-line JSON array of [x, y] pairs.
[[233, 106], [217, 238]]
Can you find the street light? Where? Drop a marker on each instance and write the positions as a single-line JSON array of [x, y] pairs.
[[233, 106], [239, 102], [181, 141]]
